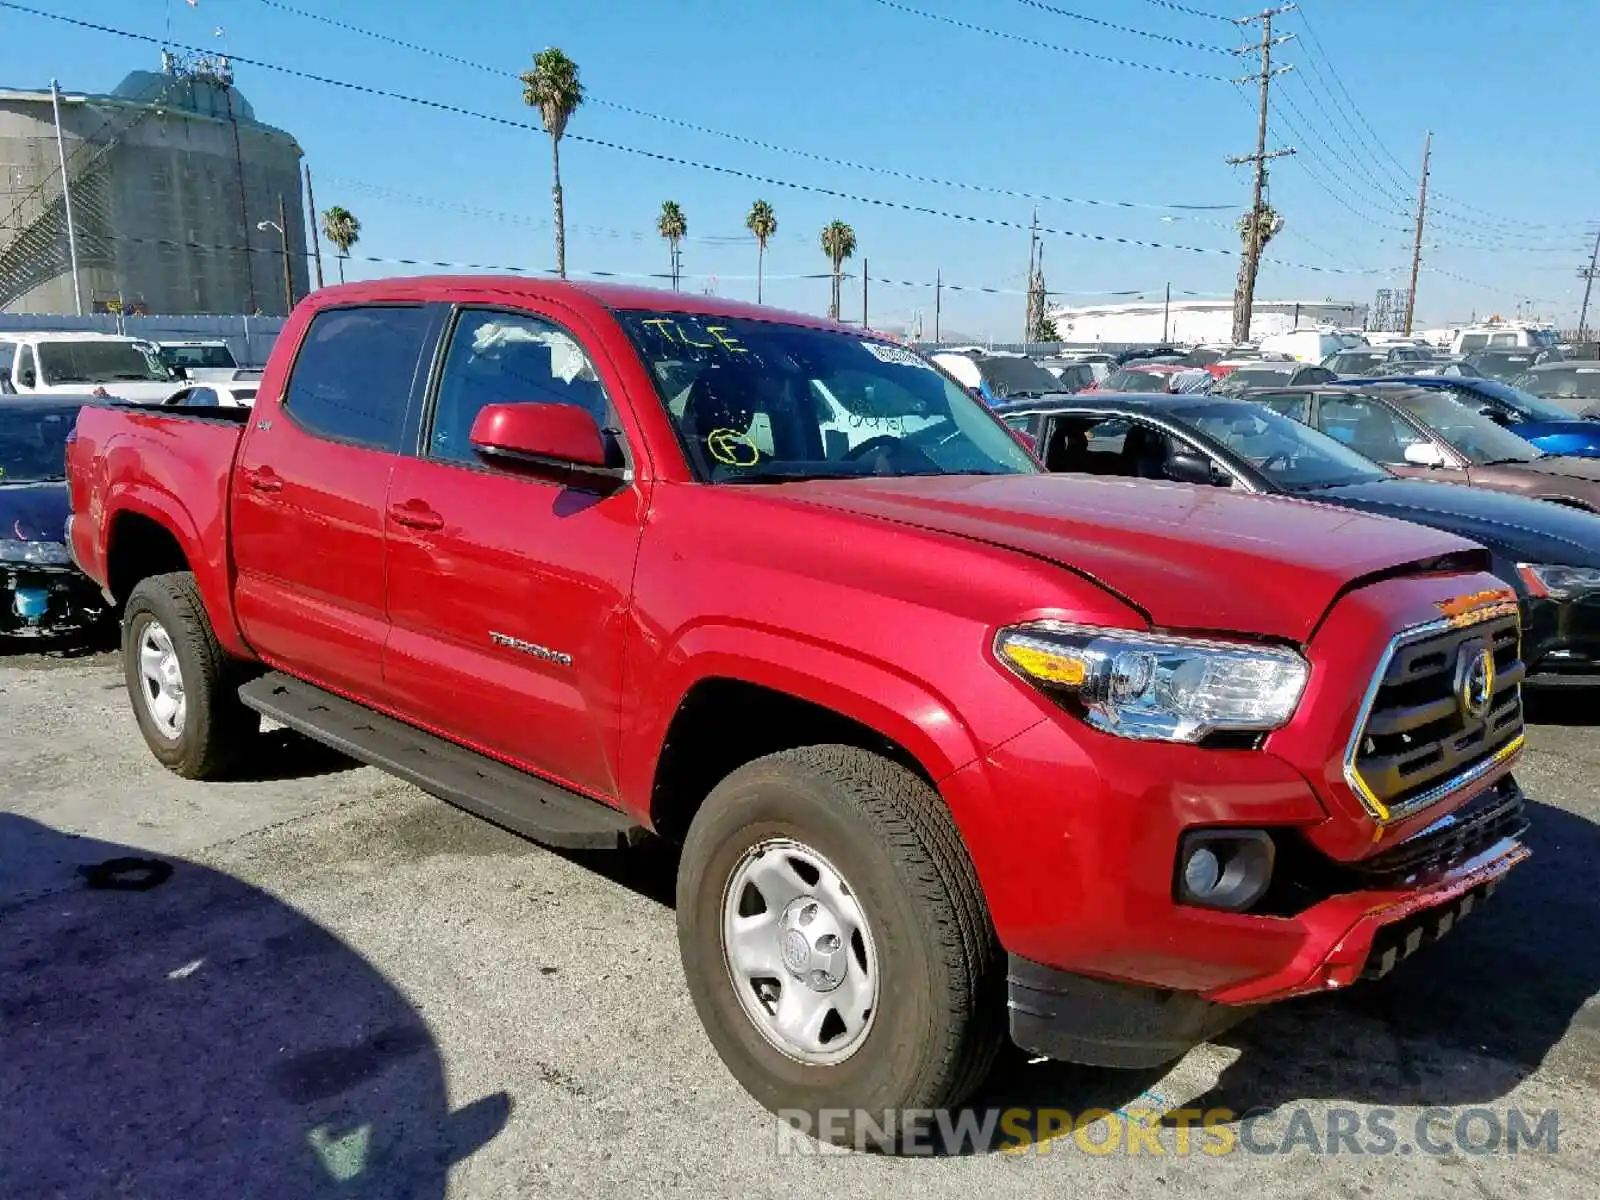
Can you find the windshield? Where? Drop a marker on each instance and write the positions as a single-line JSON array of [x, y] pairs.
[[1257, 375], [1468, 430], [1570, 383], [198, 356], [1016, 377], [33, 442], [1354, 362], [1504, 365], [1134, 381], [760, 401], [1294, 456], [101, 362]]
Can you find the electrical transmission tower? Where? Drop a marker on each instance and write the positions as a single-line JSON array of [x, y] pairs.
[[1260, 223]]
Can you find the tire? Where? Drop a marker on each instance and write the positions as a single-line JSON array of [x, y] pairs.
[[938, 999], [212, 729]]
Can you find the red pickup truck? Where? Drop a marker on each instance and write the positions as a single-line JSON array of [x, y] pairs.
[[954, 748]]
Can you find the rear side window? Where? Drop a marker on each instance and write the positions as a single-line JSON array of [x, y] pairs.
[[352, 379]]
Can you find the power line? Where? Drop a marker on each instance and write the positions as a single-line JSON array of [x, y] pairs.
[[677, 160], [1112, 25], [1190, 12], [1042, 45], [824, 159]]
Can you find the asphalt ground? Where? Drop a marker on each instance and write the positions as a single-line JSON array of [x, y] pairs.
[[316, 981]]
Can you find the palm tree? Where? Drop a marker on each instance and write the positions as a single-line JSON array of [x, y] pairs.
[[673, 226], [762, 222], [554, 89], [339, 226], [1266, 223], [838, 243]]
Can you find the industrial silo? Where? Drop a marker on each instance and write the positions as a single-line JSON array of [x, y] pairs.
[[170, 177]]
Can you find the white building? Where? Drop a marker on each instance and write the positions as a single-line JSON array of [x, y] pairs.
[[1198, 321]]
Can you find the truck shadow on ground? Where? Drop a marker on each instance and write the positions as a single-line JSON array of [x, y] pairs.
[[1562, 704], [170, 1030], [280, 754]]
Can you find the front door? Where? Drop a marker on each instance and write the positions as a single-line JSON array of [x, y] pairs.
[[309, 494], [509, 593]]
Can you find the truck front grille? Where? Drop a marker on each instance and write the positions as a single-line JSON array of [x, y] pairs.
[[1421, 736]]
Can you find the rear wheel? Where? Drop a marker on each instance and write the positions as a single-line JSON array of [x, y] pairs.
[[836, 942], [182, 684]]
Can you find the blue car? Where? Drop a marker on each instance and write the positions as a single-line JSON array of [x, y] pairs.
[[1553, 429]]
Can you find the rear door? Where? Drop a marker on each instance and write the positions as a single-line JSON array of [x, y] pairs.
[[310, 490], [508, 592]]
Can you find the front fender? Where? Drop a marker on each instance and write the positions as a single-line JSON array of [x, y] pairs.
[[871, 692]]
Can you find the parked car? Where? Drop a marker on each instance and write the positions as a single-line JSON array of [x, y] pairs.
[[1574, 385], [1545, 423], [41, 592], [1439, 366], [1072, 376], [240, 394], [923, 718], [72, 364], [1548, 554], [1304, 345], [201, 361], [1361, 359], [993, 377], [1144, 377], [1423, 432], [1502, 337], [1272, 373], [1151, 354], [1507, 365]]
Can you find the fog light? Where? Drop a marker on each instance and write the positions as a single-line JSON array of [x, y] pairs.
[[1227, 869]]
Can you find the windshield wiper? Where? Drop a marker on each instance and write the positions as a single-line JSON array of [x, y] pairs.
[[794, 476]]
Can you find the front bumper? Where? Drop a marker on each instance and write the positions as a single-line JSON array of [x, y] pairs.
[[1562, 637], [1341, 940]]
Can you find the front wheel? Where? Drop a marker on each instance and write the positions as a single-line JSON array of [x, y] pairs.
[[180, 680], [835, 940]]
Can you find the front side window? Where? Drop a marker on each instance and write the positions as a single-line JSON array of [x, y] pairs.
[[1294, 456], [91, 363], [1454, 416], [508, 358], [1368, 427], [352, 379], [27, 372], [761, 401]]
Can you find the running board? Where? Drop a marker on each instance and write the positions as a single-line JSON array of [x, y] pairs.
[[543, 811]]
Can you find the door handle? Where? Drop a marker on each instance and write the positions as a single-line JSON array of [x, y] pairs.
[[264, 480], [415, 514]]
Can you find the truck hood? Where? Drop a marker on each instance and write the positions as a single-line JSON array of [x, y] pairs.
[[1197, 558], [1519, 527]]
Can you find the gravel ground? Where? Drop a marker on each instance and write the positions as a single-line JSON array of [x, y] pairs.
[[346, 988]]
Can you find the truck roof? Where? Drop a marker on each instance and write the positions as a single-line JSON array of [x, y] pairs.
[[63, 335], [610, 295]]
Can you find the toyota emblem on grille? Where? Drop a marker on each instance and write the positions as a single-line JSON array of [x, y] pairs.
[[1475, 680]]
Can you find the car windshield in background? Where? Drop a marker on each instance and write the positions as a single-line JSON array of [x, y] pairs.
[[1257, 375], [1504, 365], [101, 362], [1018, 377], [761, 401], [33, 442], [1528, 406], [1294, 456], [1465, 428], [204, 357], [1354, 362], [1577, 382], [1124, 380]]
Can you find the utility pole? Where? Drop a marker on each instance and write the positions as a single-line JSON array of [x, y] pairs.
[[66, 197], [316, 240], [1166, 313], [938, 301], [1587, 274], [288, 275], [1416, 250], [1029, 321], [1250, 259], [863, 293]]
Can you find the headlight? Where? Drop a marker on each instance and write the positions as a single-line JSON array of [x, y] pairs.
[[1559, 583], [1156, 688], [45, 553]]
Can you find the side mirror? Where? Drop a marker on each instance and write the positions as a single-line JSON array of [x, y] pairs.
[[1425, 454], [546, 438], [5, 382], [178, 372], [1185, 467]]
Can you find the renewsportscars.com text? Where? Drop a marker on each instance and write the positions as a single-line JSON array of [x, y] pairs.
[[1180, 1132]]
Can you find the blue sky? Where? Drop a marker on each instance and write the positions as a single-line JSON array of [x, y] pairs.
[[1508, 90]]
